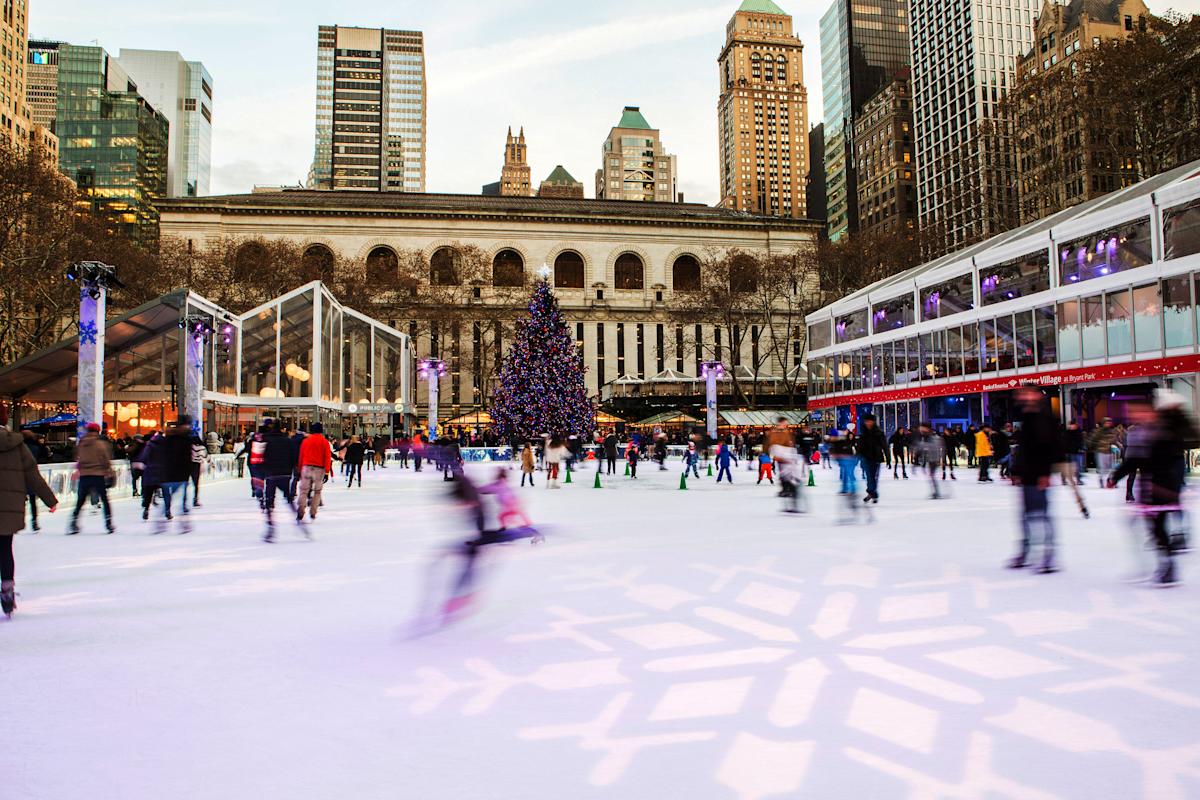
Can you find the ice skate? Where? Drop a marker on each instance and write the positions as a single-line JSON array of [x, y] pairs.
[[8, 599], [73, 528]]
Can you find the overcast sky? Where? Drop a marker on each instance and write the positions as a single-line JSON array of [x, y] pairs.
[[564, 70]]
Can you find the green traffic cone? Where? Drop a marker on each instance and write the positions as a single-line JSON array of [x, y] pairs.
[[626, 469], [596, 484], [683, 480], [710, 470], [811, 479], [568, 480]]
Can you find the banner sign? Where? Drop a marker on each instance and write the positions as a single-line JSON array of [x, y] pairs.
[[1105, 372]]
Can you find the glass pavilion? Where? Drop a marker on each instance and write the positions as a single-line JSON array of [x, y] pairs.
[[301, 357]]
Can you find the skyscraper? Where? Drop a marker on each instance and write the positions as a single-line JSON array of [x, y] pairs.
[[515, 178], [16, 124], [963, 60], [370, 110], [864, 47], [884, 171], [762, 113], [182, 91], [114, 143], [41, 81], [635, 165]]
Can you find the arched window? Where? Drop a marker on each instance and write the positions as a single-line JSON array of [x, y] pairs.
[[443, 267], [382, 265], [628, 272], [508, 269], [685, 274], [568, 270], [318, 262], [250, 259], [743, 274]]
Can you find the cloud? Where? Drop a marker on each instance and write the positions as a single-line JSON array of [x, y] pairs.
[[459, 70]]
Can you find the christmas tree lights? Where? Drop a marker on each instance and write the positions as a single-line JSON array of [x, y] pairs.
[[541, 389]]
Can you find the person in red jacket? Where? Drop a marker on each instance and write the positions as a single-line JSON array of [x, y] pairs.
[[315, 462]]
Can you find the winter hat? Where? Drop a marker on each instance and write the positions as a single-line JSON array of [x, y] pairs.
[[1165, 399], [93, 427], [316, 427]]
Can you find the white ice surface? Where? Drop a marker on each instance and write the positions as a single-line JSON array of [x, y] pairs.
[[660, 644]]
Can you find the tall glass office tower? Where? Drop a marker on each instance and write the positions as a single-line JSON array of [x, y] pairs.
[[864, 47], [370, 110], [113, 143], [182, 91]]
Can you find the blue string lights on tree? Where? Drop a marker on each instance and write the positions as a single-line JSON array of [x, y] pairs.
[[541, 389]]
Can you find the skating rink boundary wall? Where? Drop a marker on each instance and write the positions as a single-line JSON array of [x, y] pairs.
[[62, 480]]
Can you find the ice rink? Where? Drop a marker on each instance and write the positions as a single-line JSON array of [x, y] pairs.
[[660, 644]]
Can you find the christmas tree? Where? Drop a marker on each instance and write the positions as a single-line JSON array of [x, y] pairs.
[[541, 388]]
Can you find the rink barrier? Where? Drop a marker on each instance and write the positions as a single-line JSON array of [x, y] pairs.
[[486, 455], [61, 477]]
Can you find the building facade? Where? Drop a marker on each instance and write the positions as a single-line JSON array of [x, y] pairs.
[[1061, 161], [621, 271], [634, 164], [182, 91], [963, 63], [560, 183], [112, 143], [371, 103], [515, 179], [762, 113], [815, 199], [41, 81], [864, 47], [1097, 304], [886, 172], [16, 122]]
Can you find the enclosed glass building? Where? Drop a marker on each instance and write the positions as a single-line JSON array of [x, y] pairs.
[[1099, 304], [300, 358]]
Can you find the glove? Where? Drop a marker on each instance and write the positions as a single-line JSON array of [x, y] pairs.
[[325, 479]]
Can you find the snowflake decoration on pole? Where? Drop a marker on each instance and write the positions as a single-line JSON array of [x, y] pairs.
[[541, 389], [88, 332]]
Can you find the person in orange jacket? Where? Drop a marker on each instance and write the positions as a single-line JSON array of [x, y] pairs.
[[315, 462]]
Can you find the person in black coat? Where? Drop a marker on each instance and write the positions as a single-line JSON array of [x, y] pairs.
[[1162, 469], [900, 443], [172, 466], [1039, 448], [353, 455], [278, 461], [610, 452], [873, 450], [151, 469]]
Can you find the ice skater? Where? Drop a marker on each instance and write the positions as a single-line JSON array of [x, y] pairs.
[[527, 464], [766, 468], [724, 457], [691, 460], [19, 477], [1037, 453]]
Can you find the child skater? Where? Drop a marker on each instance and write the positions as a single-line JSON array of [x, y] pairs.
[[766, 468]]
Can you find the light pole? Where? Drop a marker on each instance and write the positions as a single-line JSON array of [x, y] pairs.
[[198, 330], [711, 371], [431, 369], [95, 278]]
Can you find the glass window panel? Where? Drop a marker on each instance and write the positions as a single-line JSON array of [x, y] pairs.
[[1005, 349], [987, 345], [1120, 340], [928, 357], [356, 360], [849, 327], [258, 353], [842, 370], [950, 297], [954, 364], [1093, 327], [819, 336], [1147, 318], [901, 361], [1069, 348], [1181, 230], [970, 340], [1024, 338], [864, 367], [1019, 277], [1116, 249], [1047, 351], [296, 346], [877, 366], [1177, 311], [889, 363], [893, 314]]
